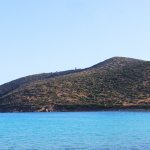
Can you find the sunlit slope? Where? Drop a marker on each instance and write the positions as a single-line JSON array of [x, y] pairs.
[[128, 87]]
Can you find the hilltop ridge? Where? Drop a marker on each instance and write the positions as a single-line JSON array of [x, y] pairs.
[[115, 63]]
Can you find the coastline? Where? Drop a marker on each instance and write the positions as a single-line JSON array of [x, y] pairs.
[[77, 110]]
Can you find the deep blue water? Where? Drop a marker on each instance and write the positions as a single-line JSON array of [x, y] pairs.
[[111, 130]]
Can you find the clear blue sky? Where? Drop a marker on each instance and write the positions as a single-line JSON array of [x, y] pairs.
[[39, 36]]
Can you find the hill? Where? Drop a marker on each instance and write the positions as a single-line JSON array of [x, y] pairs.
[[112, 63], [117, 83]]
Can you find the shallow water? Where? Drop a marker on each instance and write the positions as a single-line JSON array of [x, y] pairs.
[[111, 130]]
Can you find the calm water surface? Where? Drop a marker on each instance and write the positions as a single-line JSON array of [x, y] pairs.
[[111, 130]]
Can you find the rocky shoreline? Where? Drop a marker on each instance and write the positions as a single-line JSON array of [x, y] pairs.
[[73, 109]]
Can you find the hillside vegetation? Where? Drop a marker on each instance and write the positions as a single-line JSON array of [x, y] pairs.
[[110, 64], [117, 83]]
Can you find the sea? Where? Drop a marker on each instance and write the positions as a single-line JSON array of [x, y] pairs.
[[101, 130]]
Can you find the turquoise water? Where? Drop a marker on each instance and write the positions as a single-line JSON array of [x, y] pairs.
[[112, 130]]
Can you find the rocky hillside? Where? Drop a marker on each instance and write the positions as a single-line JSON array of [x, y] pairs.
[[117, 83]]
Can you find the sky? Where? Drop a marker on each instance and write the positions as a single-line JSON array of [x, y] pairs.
[[42, 36]]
